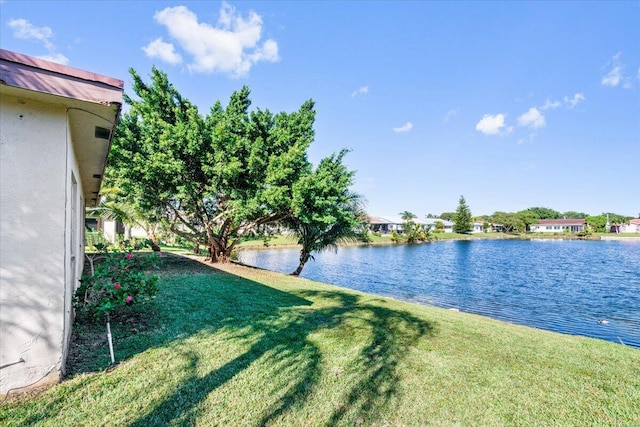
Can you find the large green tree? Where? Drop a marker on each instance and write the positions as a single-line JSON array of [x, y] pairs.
[[511, 222], [462, 217], [545, 213], [527, 217], [213, 179], [324, 211]]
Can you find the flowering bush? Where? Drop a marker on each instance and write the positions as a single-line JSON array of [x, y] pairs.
[[121, 279]]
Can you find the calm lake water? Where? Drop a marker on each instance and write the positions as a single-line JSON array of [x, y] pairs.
[[589, 288]]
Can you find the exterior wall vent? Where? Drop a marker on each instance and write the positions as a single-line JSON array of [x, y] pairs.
[[102, 133]]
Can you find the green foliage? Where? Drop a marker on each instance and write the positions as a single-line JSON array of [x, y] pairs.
[[448, 215], [617, 218], [412, 232], [211, 179], [462, 218], [512, 222], [96, 240], [527, 218], [574, 214], [545, 213], [121, 279], [113, 208], [324, 211], [407, 216], [597, 223]]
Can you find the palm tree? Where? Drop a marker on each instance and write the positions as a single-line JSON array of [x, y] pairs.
[[111, 209], [407, 216], [317, 236]]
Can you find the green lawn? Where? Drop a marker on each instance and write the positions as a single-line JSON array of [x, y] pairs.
[[249, 347], [277, 240]]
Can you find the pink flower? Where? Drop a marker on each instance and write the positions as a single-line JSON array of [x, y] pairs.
[[128, 299], [159, 253], [129, 256], [117, 286]]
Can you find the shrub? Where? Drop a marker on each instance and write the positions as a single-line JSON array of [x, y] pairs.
[[121, 279]]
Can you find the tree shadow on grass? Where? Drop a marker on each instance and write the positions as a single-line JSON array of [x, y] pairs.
[[392, 332], [193, 297], [278, 325]]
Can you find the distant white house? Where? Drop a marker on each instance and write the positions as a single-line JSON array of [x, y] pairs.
[[379, 225], [56, 127], [633, 226], [559, 225], [395, 223], [477, 227], [447, 226]]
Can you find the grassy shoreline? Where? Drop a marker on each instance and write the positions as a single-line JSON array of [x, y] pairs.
[[235, 345]]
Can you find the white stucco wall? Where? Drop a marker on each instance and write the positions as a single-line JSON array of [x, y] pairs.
[[35, 175]]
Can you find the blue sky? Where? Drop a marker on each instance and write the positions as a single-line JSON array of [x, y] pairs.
[[512, 105]]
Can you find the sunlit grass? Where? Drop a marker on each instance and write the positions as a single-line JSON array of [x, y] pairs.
[[277, 240], [249, 347]]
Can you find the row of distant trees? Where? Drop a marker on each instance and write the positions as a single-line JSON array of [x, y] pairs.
[[521, 220]]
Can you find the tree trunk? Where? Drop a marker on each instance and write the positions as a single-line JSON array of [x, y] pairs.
[[155, 247], [155, 242], [219, 253], [304, 257]]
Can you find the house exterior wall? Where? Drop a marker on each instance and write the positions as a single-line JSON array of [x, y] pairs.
[[556, 228], [629, 228], [478, 227], [36, 274]]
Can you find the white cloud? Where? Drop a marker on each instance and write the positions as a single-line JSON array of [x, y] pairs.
[[533, 119], [577, 98], [550, 105], [615, 77], [232, 46], [491, 125], [405, 128], [23, 29], [55, 57], [163, 51], [449, 115], [360, 91]]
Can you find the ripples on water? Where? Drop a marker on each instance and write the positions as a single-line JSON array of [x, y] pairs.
[[589, 288]]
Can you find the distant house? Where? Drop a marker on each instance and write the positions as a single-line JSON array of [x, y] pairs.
[[633, 226], [379, 225], [56, 125], [477, 227], [386, 226], [446, 225], [559, 225], [496, 228]]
